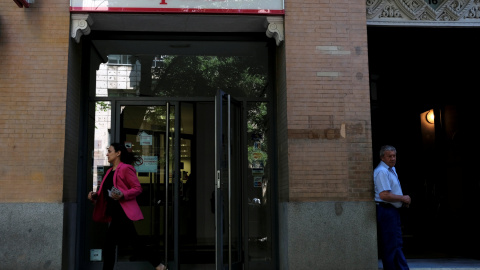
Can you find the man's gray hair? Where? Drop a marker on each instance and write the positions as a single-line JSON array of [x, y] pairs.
[[387, 148]]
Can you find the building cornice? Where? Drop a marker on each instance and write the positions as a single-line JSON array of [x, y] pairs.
[[421, 13], [275, 29], [80, 26]]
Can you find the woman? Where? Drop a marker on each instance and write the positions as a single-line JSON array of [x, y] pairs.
[[115, 203]]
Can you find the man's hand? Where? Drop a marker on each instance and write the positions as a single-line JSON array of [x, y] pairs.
[[390, 197], [406, 200]]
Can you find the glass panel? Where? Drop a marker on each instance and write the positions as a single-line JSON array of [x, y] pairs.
[[98, 166], [257, 189], [103, 124], [228, 199], [144, 130], [184, 75]]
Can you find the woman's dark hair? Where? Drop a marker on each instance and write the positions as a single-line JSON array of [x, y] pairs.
[[126, 156]]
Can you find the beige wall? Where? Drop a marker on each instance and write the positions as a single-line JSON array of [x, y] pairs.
[[33, 82], [328, 102]]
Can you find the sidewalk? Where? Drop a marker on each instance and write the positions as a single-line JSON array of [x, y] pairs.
[[444, 264]]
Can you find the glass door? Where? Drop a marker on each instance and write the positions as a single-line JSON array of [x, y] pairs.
[[190, 173], [228, 184], [149, 131]]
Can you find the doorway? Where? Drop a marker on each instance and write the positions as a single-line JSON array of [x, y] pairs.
[[189, 229], [208, 197], [433, 77]]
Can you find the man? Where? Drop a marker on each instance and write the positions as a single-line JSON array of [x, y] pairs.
[[389, 197]]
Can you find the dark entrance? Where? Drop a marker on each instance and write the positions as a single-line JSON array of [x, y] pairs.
[[414, 71]]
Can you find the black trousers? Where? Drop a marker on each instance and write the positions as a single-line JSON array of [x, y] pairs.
[[390, 233], [121, 231]]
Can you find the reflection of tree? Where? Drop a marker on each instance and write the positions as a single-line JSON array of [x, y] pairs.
[[257, 128], [204, 75], [102, 106], [156, 116]]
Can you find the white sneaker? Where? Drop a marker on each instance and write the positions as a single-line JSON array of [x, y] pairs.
[[161, 267]]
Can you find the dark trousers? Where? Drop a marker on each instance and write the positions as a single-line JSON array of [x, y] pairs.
[[390, 236], [121, 231]]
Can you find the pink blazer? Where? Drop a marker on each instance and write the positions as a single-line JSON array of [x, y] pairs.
[[126, 180]]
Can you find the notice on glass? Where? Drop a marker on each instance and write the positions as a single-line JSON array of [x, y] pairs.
[[150, 164], [145, 139]]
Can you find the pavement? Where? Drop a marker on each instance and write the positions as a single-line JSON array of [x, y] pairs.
[[441, 263]]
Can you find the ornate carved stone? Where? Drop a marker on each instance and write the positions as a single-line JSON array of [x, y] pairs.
[[275, 29], [423, 12], [80, 26]]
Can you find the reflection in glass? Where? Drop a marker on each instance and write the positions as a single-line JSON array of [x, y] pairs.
[[182, 76], [258, 192], [119, 77], [103, 123], [145, 130]]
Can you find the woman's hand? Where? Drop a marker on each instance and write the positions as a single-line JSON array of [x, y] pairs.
[[92, 196], [116, 193], [116, 196]]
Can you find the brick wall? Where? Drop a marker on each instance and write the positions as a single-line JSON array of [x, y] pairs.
[[33, 83], [328, 101]]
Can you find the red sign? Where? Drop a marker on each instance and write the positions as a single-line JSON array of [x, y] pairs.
[[266, 7]]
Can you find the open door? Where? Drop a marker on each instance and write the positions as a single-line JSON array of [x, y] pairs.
[[228, 184]]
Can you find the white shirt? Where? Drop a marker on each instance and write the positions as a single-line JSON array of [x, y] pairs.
[[386, 180]]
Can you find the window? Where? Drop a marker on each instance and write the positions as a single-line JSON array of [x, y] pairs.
[[119, 59]]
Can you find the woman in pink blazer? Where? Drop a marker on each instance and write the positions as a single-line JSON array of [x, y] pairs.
[[115, 203]]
